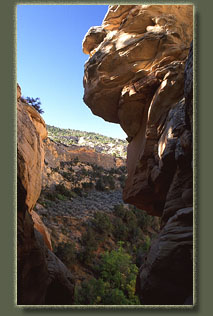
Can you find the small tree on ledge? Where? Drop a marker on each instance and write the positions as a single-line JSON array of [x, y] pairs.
[[35, 103]]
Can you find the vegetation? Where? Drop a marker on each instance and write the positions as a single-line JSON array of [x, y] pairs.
[[87, 177], [104, 248], [115, 282], [36, 103], [61, 189], [90, 244], [102, 223], [110, 250]]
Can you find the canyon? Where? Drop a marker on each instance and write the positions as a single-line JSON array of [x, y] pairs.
[[140, 75]]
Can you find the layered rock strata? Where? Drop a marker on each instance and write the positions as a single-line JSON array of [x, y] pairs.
[[56, 153], [42, 277], [137, 76]]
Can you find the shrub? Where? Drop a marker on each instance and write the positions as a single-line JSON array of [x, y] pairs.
[[130, 218], [88, 239], [126, 225], [84, 172], [45, 203], [87, 185], [60, 188], [61, 197], [119, 210], [90, 244], [146, 243], [90, 292], [100, 185], [67, 176], [120, 230], [101, 223], [73, 194], [144, 220], [136, 234]]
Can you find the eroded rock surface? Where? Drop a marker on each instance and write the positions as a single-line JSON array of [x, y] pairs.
[[42, 278], [139, 76]]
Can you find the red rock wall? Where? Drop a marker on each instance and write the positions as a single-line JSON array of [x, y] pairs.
[[41, 277], [137, 76]]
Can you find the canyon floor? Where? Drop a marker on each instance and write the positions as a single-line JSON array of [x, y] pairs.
[[82, 208]]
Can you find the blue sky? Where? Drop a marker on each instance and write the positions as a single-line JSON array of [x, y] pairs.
[[50, 63]]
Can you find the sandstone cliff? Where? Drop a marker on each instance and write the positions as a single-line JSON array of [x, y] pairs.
[[42, 277], [135, 77], [56, 153]]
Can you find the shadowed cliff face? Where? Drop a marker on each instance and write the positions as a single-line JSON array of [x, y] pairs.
[[42, 277], [137, 76]]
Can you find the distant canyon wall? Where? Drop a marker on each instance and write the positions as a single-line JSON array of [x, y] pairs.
[[139, 74], [56, 153]]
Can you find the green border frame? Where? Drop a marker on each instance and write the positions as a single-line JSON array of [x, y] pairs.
[[202, 129]]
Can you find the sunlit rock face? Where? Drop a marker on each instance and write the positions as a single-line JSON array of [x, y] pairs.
[[140, 76], [134, 77], [56, 153], [41, 277]]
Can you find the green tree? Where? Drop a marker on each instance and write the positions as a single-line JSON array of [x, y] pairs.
[[90, 292], [115, 284]]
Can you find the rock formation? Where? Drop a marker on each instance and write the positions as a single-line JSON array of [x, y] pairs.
[[56, 153], [137, 76], [42, 277]]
